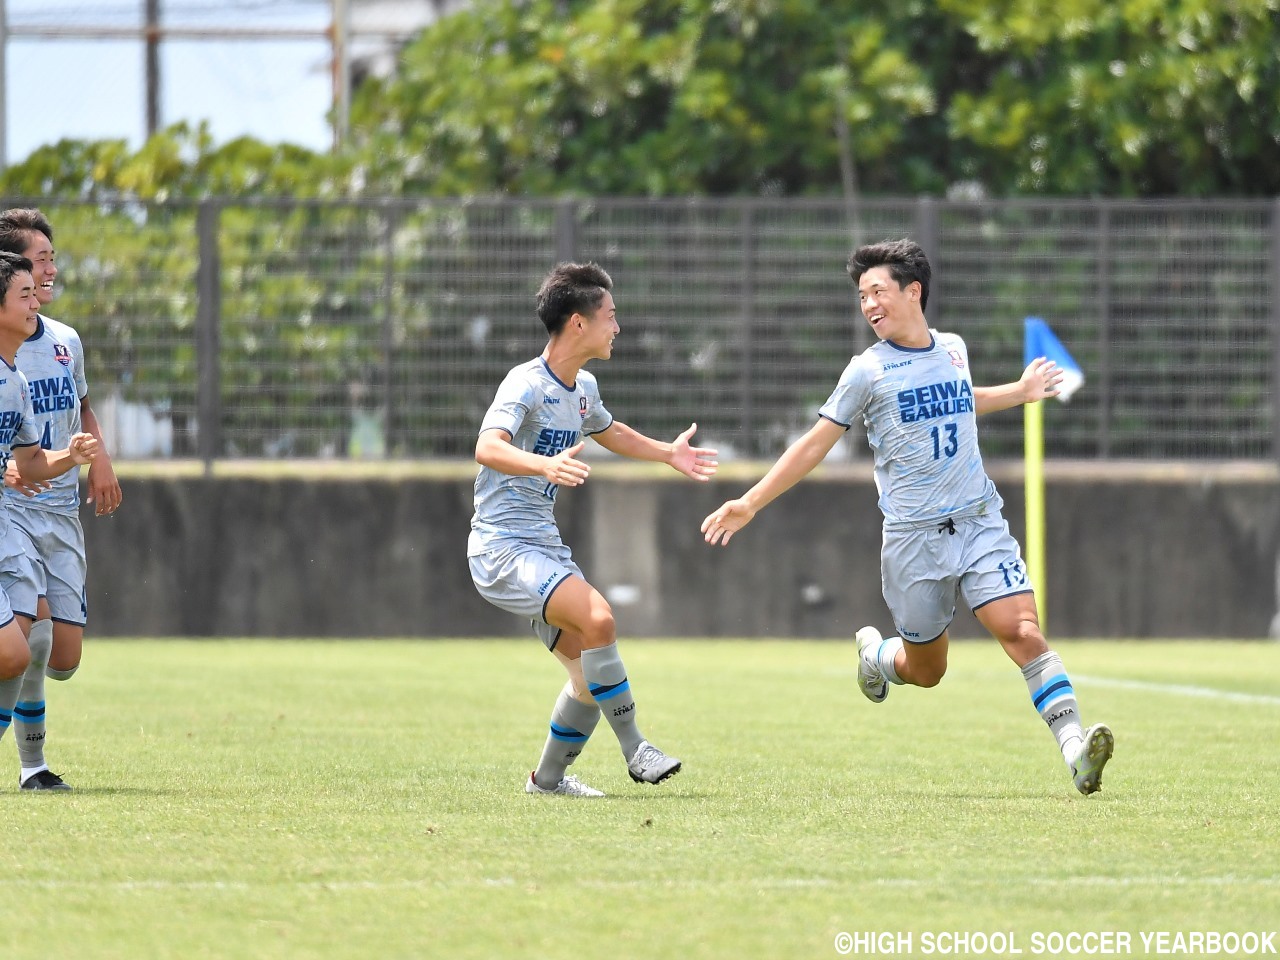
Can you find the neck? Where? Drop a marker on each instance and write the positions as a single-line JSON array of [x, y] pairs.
[[563, 361]]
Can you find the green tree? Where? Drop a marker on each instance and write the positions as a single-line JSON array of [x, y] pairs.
[[1142, 98]]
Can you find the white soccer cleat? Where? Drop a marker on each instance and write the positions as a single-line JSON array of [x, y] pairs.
[[651, 765], [568, 787], [1086, 769], [870, 680]]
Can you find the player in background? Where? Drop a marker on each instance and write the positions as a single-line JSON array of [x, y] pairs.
[[48, 520], [943, 531], [527, 449], [20, 441]]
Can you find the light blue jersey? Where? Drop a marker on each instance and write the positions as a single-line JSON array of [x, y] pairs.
[[17, 419], [543, 416], [52, 360], [918, 408]]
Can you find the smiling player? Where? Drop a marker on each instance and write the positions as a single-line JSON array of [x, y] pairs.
[[528, 443]]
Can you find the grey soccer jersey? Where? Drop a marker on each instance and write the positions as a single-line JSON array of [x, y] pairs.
[[543, 416], [918, 407], [52, 360], [17, 419]]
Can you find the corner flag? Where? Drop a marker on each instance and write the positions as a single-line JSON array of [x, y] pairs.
[[1040, 341]]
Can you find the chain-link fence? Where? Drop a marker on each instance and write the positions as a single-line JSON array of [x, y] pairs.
[[372, 329]]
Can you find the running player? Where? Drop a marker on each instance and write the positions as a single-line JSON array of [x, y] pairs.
[[52, 360], [527, 450], [943, 532], [20, 440]]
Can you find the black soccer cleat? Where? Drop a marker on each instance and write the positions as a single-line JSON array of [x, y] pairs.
[[44, 780]]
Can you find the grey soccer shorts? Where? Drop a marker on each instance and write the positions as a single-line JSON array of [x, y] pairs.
[[52, 564], [922, 571], [520, 579]]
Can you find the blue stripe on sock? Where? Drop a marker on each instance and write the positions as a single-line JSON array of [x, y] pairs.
[[609, 691], [1056, 685], [5, 720], [29, 711], [568, 734]]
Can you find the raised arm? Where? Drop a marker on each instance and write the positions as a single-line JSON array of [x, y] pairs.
[[1038, 382], [793, 466], [696, 463]]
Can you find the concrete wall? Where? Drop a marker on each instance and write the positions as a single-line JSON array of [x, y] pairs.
[[1135, 551]]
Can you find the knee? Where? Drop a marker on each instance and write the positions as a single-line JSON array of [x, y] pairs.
[[600, 629], [930, 676], [14, 660]]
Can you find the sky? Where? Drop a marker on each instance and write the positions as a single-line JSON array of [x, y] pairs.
[[274, 90]]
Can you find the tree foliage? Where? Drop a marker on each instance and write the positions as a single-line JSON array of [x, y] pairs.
[[767, 97]]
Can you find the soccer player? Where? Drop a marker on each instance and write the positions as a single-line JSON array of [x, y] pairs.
[[943, 531], [20, 440], [527, 450], [52, 585]]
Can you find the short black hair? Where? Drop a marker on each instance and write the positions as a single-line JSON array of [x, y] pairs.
[[905, 259], [568, 289], [11, 264], [16, 226]]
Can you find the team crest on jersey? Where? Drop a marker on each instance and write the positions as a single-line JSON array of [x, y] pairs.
[[956, 359], [582, 407], [62, 354]]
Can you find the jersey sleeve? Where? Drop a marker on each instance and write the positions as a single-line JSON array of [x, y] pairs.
[[597, 418], [511, 404], [77, 363], [848, 401]]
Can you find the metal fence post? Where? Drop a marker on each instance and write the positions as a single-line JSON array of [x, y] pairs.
[[747, 383], [930, 239], [1104, 330], [388, 333], [208, 319], [566, 231], [1275, 331]]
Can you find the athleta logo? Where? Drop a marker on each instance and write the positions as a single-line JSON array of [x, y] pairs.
[[895, 366], [935, 400], [551, 400], [62, 354]]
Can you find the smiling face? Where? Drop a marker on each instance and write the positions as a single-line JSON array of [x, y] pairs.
[[599, 328], [40, 252], [18, 312], [893, 312]]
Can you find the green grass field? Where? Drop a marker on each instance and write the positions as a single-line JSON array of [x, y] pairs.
[[265, 799]]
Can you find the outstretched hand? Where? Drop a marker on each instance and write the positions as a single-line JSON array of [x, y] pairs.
[[564, 470], [732, 516], [696, 463], [1040, 380]]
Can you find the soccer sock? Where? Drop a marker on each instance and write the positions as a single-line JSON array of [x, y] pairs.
[[571, 724], [607, 680], [1053, 696], [884, 656], [29, 711], [53, 674], [9, 690]]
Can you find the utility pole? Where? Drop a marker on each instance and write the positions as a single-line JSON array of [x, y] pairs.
[[4, 89], [152, 45], [340, 33]]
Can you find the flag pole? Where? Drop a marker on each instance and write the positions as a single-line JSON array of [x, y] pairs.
[[1033, 480]]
